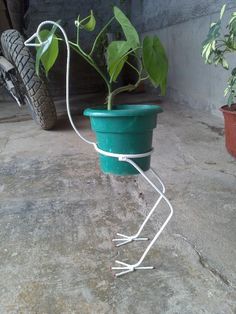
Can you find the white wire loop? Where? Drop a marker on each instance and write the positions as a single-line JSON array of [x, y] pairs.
[[40, 43], [124, 268], [29, 43], [121, 157]]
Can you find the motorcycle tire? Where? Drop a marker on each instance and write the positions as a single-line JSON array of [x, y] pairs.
[[36, 94]]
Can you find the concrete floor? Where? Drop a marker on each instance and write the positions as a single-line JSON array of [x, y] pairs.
[[58, 214]]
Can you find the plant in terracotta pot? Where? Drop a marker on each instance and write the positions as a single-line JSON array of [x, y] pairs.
[[123, 129], [215, 49]]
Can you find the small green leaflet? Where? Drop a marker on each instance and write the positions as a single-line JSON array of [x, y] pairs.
[[209, 44], [90, 25], [213, 34], [222, 11], [48, 52], [155, 61], [230, 90], [225, 64]]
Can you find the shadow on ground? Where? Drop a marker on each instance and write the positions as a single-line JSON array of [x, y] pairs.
[[58, 214]]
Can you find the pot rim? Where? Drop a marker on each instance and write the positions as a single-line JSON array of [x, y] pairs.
[[124, 110], [225, 109]]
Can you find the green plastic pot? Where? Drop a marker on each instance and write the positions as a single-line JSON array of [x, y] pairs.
[[126, 129]]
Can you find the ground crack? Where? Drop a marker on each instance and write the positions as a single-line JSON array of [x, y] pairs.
[[219, 131], [4, 144], [203, 261]]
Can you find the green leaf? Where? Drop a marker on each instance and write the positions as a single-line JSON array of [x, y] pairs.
[[207, 52], [128, 29], [117, 68], [214, 32], [90, 25], [222, 11], [232, 28], [230, 99], [233, 72], [155, 62], [48, 52], [209, 45], [226, 91], [116, 57], [204, 49], [225, 64]]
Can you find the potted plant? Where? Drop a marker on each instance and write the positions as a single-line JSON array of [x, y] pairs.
[[123, 129], [214, 51]]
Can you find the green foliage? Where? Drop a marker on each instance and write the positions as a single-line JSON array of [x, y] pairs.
[[216, 47], [47, 53], [209, 45], [90, 25], [150, 56], [231, 88], [116, 57], [90, 22], [128, 29], [222, 11], [155, 61], [117, 51]]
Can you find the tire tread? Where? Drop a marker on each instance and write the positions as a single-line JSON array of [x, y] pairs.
[[44, 111]]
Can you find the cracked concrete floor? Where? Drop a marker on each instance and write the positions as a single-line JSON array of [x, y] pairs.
[[58, 214]]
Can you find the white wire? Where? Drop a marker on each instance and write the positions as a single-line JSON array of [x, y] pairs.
[[121, 157], [37, 35]]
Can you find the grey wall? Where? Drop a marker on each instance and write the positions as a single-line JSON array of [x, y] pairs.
[[68, 10], [182, 25]]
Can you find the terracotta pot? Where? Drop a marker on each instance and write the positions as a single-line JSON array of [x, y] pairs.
[[230, 128]]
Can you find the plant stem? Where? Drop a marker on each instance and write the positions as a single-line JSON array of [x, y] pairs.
[[99, 34], [144, 78], [126, 54], [88, 58], [133, 67], [93, 64], [129, 87], [109, 100], [77, 35], [108, 83], [126, 88]]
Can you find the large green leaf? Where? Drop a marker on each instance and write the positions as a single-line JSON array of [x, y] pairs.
[[155, 62], [213, 34], [48, 52], [208, 46], [116, 57], [232, 24], [128, 29]]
